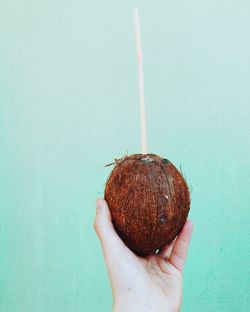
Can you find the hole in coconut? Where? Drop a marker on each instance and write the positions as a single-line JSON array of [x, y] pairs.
[[163, 219], [165, 160], [147, 159]]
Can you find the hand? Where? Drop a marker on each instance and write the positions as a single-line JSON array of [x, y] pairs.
[[152, 283]]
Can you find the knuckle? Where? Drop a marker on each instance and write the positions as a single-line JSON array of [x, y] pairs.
[[96, 226]]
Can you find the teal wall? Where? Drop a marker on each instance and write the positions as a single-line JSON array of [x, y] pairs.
[[69, 105]]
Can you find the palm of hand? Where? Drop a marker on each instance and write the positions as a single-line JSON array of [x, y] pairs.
[[153, 276], [152, 283]]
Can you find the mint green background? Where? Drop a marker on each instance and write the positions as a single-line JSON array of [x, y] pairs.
[[69, 105]]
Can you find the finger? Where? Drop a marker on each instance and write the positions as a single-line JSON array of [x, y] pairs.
[[165, 252], [104, 228], [180, 248]]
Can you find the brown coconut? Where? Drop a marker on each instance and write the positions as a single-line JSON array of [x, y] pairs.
[[149, 201]]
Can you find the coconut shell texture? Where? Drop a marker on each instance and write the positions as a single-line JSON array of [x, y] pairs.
[[149, 201]]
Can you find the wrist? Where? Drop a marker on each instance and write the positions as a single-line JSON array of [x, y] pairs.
[[138, 303], [131, 306], [131, 301]]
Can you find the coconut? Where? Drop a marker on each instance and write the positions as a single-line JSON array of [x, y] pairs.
[[149, 201]]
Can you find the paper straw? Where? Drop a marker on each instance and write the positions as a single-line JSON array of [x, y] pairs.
[[141, 82]]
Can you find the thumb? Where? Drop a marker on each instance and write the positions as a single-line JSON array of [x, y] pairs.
[[110, 241]]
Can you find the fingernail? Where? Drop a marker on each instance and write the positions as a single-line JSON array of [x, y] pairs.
[[99, 205]]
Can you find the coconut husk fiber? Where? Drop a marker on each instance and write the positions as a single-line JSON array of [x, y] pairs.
[[149, 201]]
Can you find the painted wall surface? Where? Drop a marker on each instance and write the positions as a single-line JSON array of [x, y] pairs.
[[69, 105]]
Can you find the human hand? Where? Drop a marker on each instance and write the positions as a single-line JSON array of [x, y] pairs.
[[152, 283]]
